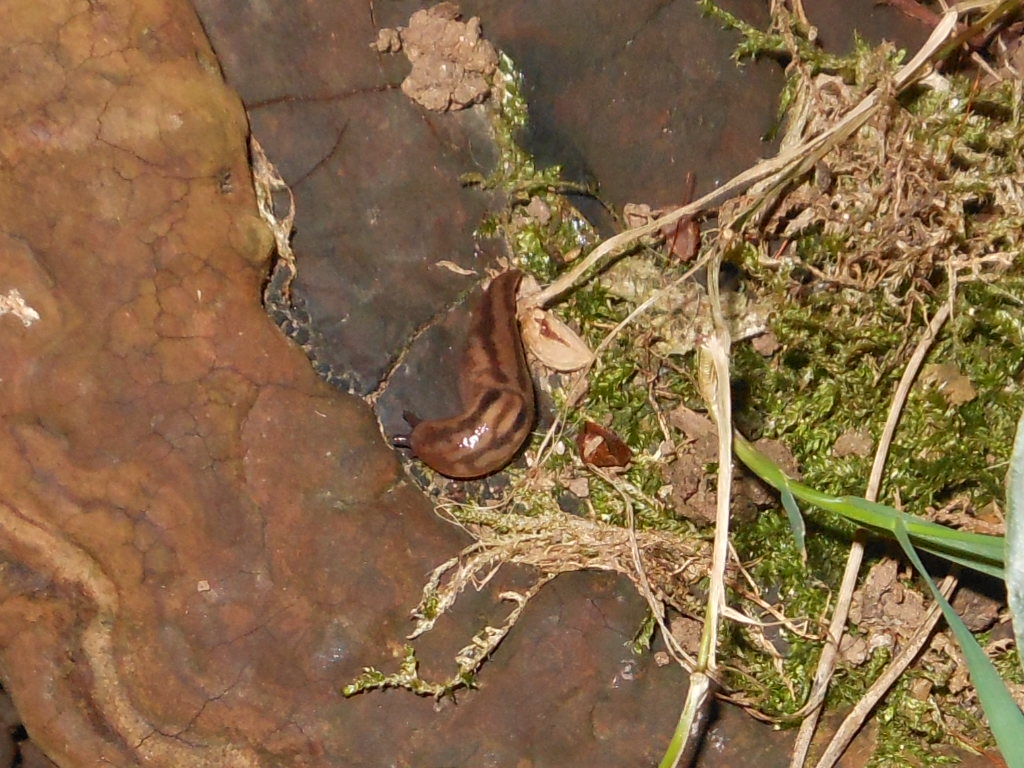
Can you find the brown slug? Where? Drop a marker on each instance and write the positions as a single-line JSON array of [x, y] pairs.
[[495, 389]]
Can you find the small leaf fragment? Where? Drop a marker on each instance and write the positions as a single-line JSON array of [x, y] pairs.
[[601, 447], [553, 342]]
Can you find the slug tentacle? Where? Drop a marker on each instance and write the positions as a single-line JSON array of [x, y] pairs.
[[496, 391]]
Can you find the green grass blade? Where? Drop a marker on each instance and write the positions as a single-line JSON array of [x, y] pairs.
[[1015, 538], [796, 521], [1004, 716], [797, 524], [977, 551], [973, 550]]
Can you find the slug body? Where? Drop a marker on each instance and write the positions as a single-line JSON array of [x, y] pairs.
[[495, 389]]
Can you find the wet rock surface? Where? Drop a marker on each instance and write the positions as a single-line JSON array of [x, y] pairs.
[[633, 95], [375, 175]]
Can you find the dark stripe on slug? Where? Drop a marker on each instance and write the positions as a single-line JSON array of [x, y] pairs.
[[508, 337], [494, 334], [501, 414], [495, 447], [503, 326], [450, 432], [521, 420], [492, 371], [453, 430], [489, 398]]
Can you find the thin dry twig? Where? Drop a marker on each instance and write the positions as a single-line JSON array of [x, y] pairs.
[[714, 369], [713, 362], [657, 607], [826, 663], [854, 721]]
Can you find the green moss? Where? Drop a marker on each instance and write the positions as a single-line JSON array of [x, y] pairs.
[[644, 637], [408, 678], [838, 367], [910, 728], [841, 357], [843, 351], [773, 44], [804, 592], [541, 244], [1007, 663]]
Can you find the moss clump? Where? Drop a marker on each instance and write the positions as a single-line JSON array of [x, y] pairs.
[[922, 204], [542, 228]]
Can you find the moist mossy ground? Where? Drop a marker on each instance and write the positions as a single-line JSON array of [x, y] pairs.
[[922, 204]]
